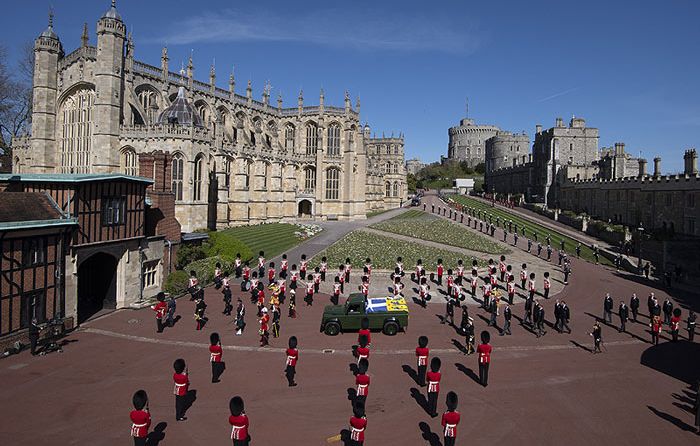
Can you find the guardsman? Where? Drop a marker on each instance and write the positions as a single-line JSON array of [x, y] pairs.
[[291, 363], [160, 308], [293, 278], [607, 308], [440, 271], [634, 306], [284, 266], [690, 325], [597, 335], [226, 291], [261, 264], [474, 282], [282, 290], [450, 420], [335, 297], [510, 287], [655, 329], [546, 284], [309, 298], [668, 310], [523, 275], [239, 422], [238, 264], [362, 350], [419, 270], [358, 424], [507, 315], [532, 287], [245, 283], [215, 356], [217, 275], [140, 418], [529, 245], [292, 304], [450, 282], [422, 353], [424, 291], [623, 312], [364, 331], [433, 377], [398, 286], [348, 267], [303, 266], [460, 272], [193, 285], [676, 324], [323, 267], [502, 268], [368, 265], [271, 273], [240, 318], [264, 328], [200, 307], [487, 291], [362, 381], [182, 385], [493, 278], [484, 350], [475, 267]]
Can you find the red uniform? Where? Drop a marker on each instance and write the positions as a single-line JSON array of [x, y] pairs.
[[474, 283], [239, 427], [440, 270], [302, 266], [182, 384], [246, 273], [140, 422], [271, 274], [433, 381], [422, 355], [215, 353], [261, 297], [484, 351], [284, 265], [160, 308], [494, 280], [336, 289], [362, 352], [263, 322], [502, 267], [366, 332], [531, 286], [292, 357], [364, 288], [546, 284], [656, 327], [193, 282], [357, 429], [450, 420], [310, 288], [362, 382], [675, 323]]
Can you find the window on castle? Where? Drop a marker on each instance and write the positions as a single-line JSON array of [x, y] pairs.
[[309, 179], [246, 173], [197, 178], [396, 150], [388, 150], [289, 135], [690, 200], [396, 189], [178, 169], [388, 189], [311, 139], [227, 170], [33, 251], [149, 101], [388, 168], [334, 140], [351, 137], [113, 211], [75, 120], [332, 183], [264, 171], [396, 168], [571, 146], [150, 273], [129, 162]]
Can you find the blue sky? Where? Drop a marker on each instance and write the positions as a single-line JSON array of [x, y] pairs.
[[630, 68]]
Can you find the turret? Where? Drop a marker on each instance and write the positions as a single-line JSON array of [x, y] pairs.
[[538, 129], [357, 104], [47, 52], [266, 93], [348, 104], [249, 92], [321, 99], [109, 69], [657, 167], [279, 101], [559, 122], [691, 162], [642, 167], [84, 38], [232, 82], [300, 101], [212, 77]]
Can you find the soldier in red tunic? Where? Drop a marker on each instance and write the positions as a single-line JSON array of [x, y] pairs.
[[303, 266], [450, 420], [502, 268], [182, 385], [264, 328], [532, 287], [140, 418], [422, 353], [358, 424], [291, 363], [440, 271], [546, 284], [433, 377], [676, 324], [160, 308], [474, 282], [239, 422], [362, 381], [655, 330], [335, 297], [284, 266], [364, 330], [215, 356], [271, 273], [484, 351], [511, 289], [362, 350]]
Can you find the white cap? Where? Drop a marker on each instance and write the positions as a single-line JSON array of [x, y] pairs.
[[264, 310]]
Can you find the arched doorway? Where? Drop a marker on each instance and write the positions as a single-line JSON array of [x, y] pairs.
[[97, 285], [305, 209]]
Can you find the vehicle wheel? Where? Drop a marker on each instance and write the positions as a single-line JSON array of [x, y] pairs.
[[391, 328], [332, 329]]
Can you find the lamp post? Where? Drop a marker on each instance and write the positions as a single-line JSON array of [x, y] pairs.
[[640, 231]]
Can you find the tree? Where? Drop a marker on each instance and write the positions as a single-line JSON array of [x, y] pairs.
[[15, 95]]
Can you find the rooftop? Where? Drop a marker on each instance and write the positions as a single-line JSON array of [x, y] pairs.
[[24, 210], [71, 177]]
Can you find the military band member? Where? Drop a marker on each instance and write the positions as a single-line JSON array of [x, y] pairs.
[[358, 424], [193, 285], [245, 283], [284, 266], [215, 357], [634, 306], [291, 362], [623, 312], [261, 264], [303, 266], [323, 268], [450, 282], [440, 271], [607, 308], [160, 308], [239, 422], [532, 287], [546, 284], [424, 291], [271, 273], [309, 298], [433, 377], [484, 350], [655, 329], [182, 385], [690, 325], [238, 265], [348, 268], [200, 307], [510, 287], [275, 310], [450, 420], [140, 418], [292, 304], [460, 272], [523, 275], [240, 318], [597, 335], [474, 282], [422, 353], [502, 268], [293, 277], [675, 324], [362, 381], [264, 328], [218, 275]]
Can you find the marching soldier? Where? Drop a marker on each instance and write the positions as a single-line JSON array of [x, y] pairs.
[[283, 267], [362, 381], [368, 267], [218, 275], [460, 272], [215, 356], [675, 324], [422, 353], [578, 251], [484, 350], [341, 277], [523, 275], [607, 308], [226, 291], [364, 331], [691, 325], [239, 422], [440, 270], [655, 329], [546, 284], [193, 285], [419, 271], [271, 273], [634, 306], [450, 282], [597, 335], [292, 304], [264, 328], [362, 350], [423, 291], [182, 385], [303, 266], [293, 278], [348, 267], [160, 308], [433, 377], [506, 321], [358, 424], [623, 312], [246, 277], [532, 286], [275, 310], [502, 268], [450, 419], [200, 307], [323, 267], [291, 363], [474, 282], [309, 298], [140, 418], [261, 265], [238, 265], [335, 297]]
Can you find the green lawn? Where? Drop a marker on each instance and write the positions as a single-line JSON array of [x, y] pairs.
[[530, 228], [421, 225], [358, 245], [273, 238], [375, 213]]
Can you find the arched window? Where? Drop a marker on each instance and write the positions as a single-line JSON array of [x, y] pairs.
[[309, 179], [388, 150], [149, 101], [289, 136], [246, 172], [332, 183], [396, 189], [129, 166], [311, 138], [334, 139], [396, 150], [75, 119], [178, 170], [396, 167], [227, 172], [197, 178], [388, 167], [203, 111], [388, 189], [264, 169]]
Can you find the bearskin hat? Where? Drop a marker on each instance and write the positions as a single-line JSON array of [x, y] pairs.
[[451, 401], [485, 337], [292, 342], [677, 312], [140, 399], [179, 365], [435, 364], [358, 409], [236, 406], [214, 338], [422, 341], [362, 366], [364, 323]]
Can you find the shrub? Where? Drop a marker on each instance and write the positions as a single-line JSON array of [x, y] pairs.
[[176, 282], [226, 246], [205, 268], [188, 253]]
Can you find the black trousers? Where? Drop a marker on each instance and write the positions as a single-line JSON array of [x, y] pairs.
[[180, 402], [654, 338], [217, 368], [289, 372], [323, 276], [674, 335], [691, 334], [432, 402], [450, 441], [33, 340], [421, 374], [302, 275], [635, 312], [140, 441], [546, 293], [159, 324], [484, 373], [245, 442]]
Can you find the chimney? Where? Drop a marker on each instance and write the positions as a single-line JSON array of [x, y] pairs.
[[619, 148], [691, 162], [560, 122], [538, 128], [642, 167], [657, 167]]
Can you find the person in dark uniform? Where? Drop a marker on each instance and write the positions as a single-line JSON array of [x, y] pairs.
[[433, 377], [493, 309], [529, 245], [484, 350], [450, 420], [623, 312], [539, 320], [449, 311], [565, 317], [634, 306], [607, 308], [507, 314], [529, 303], [34, 335], [557, 316], [422, 353], [578, 250], [597, 335], [668, 310], [691, 325]]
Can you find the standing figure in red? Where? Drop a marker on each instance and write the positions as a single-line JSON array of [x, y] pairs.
[[433, 377], [450, 420], [546, 284], [215, 357], [182, 385], [655, 330], [358, 424], [484, 351], [440, 271], [362, 381], [364, 330], [140, 418], [239, 422], [303, 265], [422, 353], [675, 324], [264, 328], [160, 308], [271, 273], [362, 350], [292, 358]]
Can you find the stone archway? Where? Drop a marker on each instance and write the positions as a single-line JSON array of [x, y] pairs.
[[305, 209], [97, 285]]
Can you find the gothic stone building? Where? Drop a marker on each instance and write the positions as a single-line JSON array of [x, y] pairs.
[[235, 160], [467, 141]]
